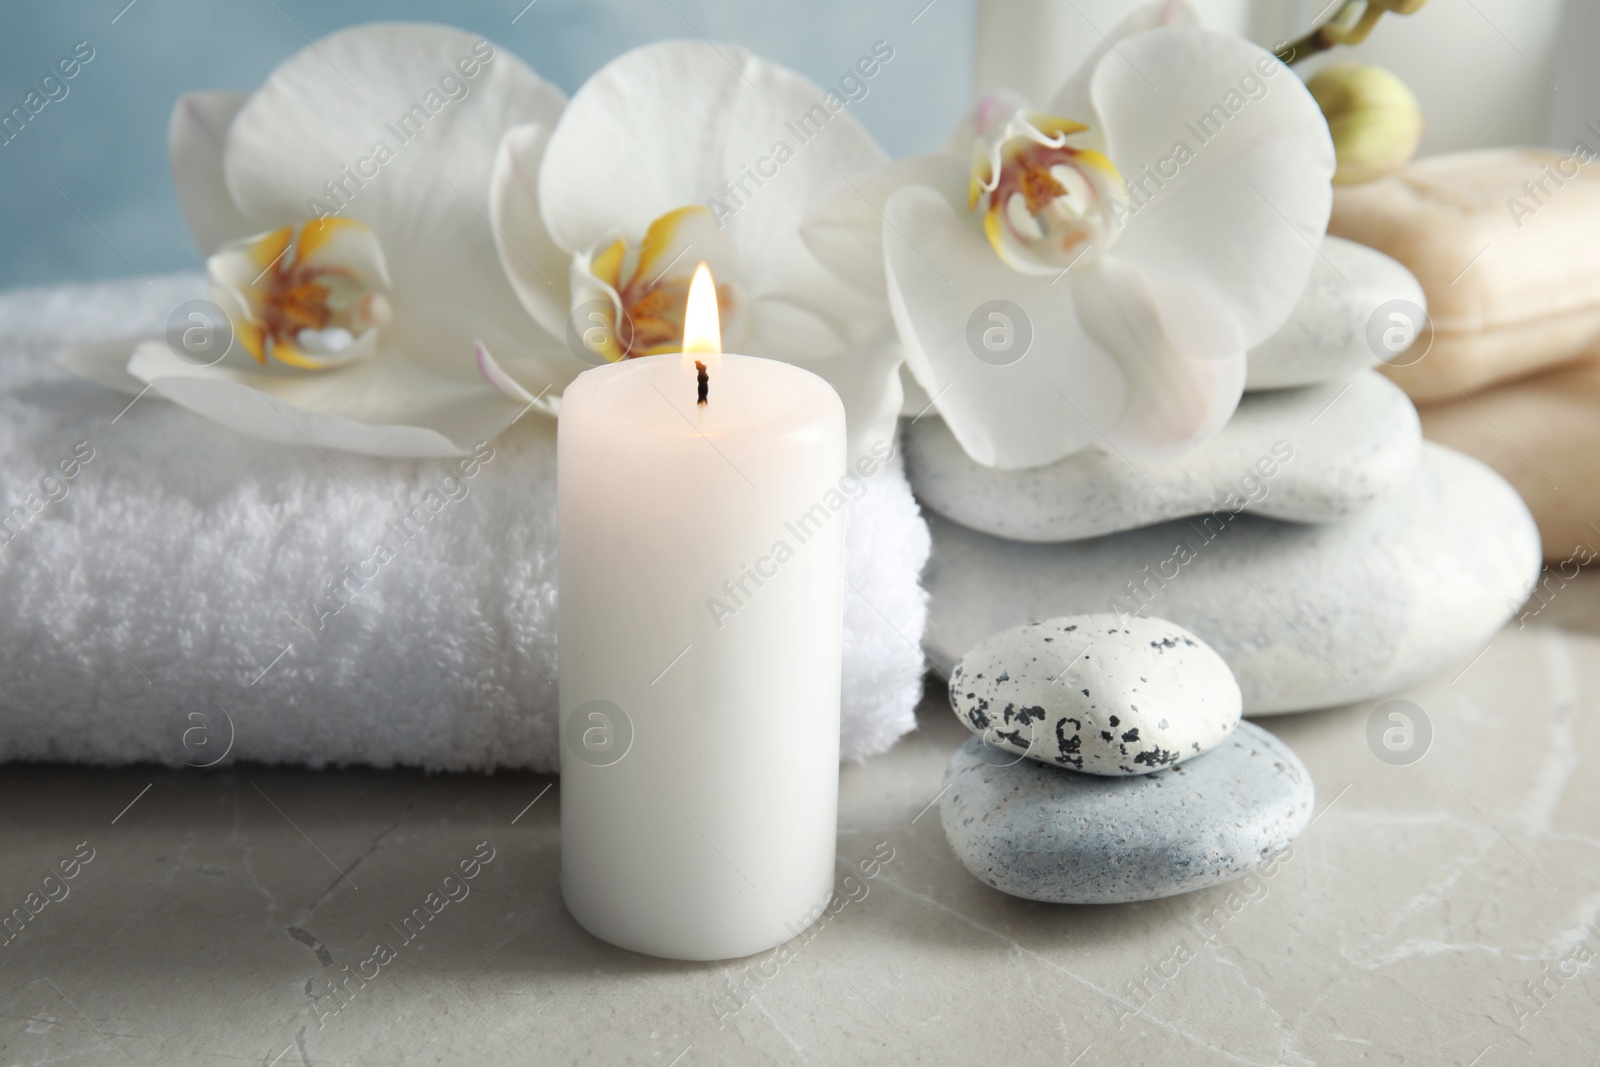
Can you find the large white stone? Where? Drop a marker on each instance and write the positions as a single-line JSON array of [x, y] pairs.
[[1103, 694], [1306, 616], [1306, 455], [1326, 334]]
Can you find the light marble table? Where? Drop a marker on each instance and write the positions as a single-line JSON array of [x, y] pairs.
[[1414, 922]]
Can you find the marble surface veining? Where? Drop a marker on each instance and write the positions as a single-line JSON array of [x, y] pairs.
[[1440, 912]]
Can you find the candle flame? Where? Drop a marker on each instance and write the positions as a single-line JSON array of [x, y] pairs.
[[702, 324]]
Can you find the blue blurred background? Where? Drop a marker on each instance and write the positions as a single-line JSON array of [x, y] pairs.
[[85, 190]]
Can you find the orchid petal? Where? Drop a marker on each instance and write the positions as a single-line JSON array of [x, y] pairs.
[[196, 134], [106, 362], [1243, 213], [595, 279], [915, 401], [844, 227], [308, 132], [536, 268], [1179, 352], [343, 244], [378, 407], [679, 241], [528, 380], [704, 124], [497, 376], [992, 107], [1073, 99], [1027, 413], [867, 379]]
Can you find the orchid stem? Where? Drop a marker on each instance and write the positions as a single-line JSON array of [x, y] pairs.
[[1341, 29]]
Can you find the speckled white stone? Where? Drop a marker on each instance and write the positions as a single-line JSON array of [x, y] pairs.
[[1049, 834], [1326, 335], [1097, 693], [1306, 616], [1306, 455]]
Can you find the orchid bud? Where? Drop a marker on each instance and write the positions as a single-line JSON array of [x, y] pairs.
[[1373, 116]]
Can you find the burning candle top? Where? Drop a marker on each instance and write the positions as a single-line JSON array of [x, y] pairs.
[[705, 392], [702, 328]]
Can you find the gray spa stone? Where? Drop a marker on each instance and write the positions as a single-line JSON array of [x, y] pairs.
[[1326, 335], [1097, 693], [1307, 455], [1306, 616], [1055, 835]]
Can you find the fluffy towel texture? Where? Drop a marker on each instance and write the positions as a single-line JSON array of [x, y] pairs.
[[180, 569]]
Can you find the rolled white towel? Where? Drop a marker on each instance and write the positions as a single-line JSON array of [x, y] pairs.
[[167, 587]]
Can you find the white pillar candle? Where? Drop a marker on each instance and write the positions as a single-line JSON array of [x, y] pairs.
[[701, 617]]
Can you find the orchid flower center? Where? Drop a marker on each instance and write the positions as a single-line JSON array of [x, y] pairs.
[[308, 297], [1046, 202], [629, 301]]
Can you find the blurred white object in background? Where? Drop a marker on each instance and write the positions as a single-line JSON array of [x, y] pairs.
[[1485, 70], [1573, 68], [1033, 46]]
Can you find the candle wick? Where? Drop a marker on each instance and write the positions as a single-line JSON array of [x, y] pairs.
[[703, 381]]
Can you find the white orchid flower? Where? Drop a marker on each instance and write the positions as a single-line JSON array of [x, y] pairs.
[[1129, 243], [343, 210], [673, 154]]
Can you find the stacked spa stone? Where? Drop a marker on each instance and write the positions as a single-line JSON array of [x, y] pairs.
[[1325, 551], [1109, 764]]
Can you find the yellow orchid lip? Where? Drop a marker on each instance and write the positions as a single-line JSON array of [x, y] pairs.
[[308, 297], [647, 299], [1046, 198]]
